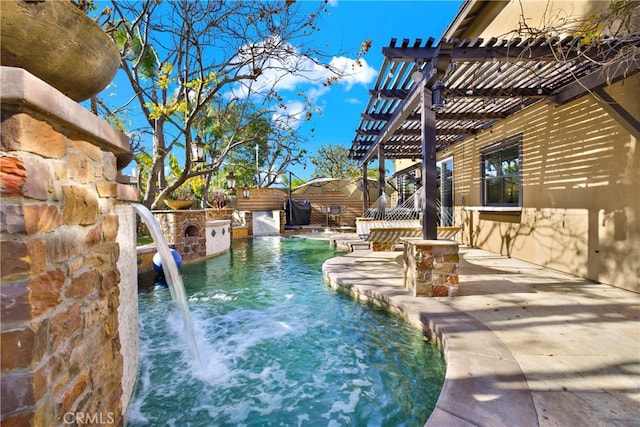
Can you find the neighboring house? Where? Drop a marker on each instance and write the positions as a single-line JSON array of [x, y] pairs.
[[530, 162]]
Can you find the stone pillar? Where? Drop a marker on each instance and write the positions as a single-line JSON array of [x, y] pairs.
[[431, 267], [248, 219], [283, 221], [59, 293]]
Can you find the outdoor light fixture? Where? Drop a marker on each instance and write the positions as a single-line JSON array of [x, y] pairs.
[[245, 192], [437, 97], [416, 76], [197, 150], [231, 181]]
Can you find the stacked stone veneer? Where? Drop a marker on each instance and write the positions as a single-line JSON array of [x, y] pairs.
[[185, 232], [431, 267], [61, 353], [217, 235]]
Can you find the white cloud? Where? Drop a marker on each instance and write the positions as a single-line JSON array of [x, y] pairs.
[[290, 72], [313, 94], [291, 115], [308, 72], [285, 69], [356, 72]]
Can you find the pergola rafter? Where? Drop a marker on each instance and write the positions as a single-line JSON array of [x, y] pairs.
[[484, 81], [430, 96]]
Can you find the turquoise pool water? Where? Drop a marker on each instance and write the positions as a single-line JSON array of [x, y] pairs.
[[279, 348]]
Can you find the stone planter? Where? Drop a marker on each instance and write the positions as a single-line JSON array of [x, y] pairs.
[[179, 204], [216, 204], [56, 42]]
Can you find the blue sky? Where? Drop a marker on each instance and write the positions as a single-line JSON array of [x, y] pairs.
[[347, 24]]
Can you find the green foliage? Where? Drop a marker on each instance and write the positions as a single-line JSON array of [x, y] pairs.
[[332, 161], [183, 192], [197, 71], [617, 20], [135, 49], [295, 182]]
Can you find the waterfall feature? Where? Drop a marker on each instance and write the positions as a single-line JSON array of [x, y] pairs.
[[172, 276]]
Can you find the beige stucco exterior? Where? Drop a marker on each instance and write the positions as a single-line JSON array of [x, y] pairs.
[[554, 16], [580, 166], [580, 190]]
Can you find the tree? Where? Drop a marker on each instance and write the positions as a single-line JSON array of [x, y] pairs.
[[607, 38], [214, 70], [332, 161]]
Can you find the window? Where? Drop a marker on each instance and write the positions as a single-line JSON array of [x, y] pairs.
[[501, 183]]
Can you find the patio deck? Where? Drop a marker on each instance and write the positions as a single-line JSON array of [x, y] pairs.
[[525, 345]]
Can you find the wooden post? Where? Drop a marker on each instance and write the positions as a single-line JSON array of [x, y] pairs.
[[381, 176], [381, 209], [429, 170], [365, 188]]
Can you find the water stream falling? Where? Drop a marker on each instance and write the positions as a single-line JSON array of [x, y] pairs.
[[172, 276]]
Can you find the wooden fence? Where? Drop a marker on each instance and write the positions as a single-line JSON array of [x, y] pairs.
[[263, 199]]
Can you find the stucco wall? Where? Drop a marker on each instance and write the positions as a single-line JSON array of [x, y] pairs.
[[541, 15], [581, 190]]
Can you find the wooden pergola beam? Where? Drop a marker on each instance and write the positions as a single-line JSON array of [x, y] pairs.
[[389, 93], [484, 81]]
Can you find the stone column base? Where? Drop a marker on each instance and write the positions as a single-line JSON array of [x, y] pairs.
[[431, 267]]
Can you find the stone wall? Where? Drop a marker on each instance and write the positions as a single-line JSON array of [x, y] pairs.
[[128, 309], [217, 236], [431, 267], [184, 231], [61, 345]]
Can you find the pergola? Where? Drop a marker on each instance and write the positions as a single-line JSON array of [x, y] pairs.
[[430, 96]]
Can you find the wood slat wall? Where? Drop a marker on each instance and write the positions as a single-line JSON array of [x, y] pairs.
[[354, 206], [263, 199]]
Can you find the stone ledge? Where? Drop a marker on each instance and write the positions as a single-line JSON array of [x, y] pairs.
[[484, 385], [28, 93], [127, 193]]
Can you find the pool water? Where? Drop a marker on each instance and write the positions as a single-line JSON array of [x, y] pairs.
[[279, 347]]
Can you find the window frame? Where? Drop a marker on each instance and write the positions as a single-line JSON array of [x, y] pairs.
[[445, 220], [501, 146]]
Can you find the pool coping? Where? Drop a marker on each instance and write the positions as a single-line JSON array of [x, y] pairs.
[[484, 384]]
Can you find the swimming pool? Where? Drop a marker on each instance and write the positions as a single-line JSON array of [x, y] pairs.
[[279, 348]]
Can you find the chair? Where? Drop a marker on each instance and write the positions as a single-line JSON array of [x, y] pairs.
[[333, 212]]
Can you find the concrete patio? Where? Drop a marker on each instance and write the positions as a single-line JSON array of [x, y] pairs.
[[525, 345]]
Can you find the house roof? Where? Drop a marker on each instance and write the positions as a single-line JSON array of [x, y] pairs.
[[483, 81]]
